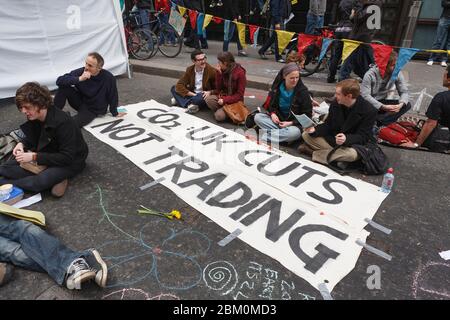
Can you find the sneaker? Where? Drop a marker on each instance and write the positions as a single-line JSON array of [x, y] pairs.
[[270, 52], [444, 64], [219, 3], [212, 5], [305, 149], [77, 273], [173, 102], [6, 273], [97, 265], [281, 60], [430, 62], [262, 56], [192, 108], [242, 53], [59, 189]]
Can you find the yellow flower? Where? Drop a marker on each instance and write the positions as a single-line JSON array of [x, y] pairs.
[[176, 214]]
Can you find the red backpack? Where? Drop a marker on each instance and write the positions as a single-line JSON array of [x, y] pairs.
[[399, 132]]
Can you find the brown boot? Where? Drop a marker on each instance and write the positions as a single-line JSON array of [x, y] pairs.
[[6, 273], [305, 149], [33, 167], [59, 189]]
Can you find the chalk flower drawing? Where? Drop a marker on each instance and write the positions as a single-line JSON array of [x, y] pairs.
[[170, 261]]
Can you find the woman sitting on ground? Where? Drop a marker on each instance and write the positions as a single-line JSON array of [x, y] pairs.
[[288, 95], [230, 85]]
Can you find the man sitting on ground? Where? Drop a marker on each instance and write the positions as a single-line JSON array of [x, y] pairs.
[[349, 122], [435, 134], [375, 89], [195, 85], [53, 149], [89, 90], [25, 245]]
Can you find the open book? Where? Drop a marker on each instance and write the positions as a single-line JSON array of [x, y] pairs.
[[35, 217], [304, 120]]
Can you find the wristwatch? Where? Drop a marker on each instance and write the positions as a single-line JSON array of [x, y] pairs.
[[416, 145]]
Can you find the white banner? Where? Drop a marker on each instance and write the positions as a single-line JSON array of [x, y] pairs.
[[298, 212], [42, 39]]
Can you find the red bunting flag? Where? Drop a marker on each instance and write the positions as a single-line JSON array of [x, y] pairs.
[[381, 54], [252, 29], [217, 20], [305, 40], [193, 18]]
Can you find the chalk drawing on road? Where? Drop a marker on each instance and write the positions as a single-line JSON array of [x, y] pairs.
[[171, 261], [137, 294], [220, 276], [420, 284]]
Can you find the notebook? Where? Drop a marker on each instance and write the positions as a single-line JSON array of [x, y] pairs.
[[304, 120]]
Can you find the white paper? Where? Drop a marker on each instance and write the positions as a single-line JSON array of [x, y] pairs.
[[289, 19], [445, 255], [323, 108], [28, 201]]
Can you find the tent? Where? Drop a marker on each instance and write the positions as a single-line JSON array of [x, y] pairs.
[[42, 39]]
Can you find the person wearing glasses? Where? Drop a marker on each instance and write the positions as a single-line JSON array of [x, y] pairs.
[[195, 85], [89, 90]]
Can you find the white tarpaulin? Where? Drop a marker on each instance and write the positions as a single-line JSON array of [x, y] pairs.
[[298, 212], [41, 39]]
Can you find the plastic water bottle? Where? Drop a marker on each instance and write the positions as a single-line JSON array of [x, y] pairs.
[[388, 181]]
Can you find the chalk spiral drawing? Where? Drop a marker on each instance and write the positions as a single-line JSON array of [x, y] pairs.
[[220, 275], [135, 294], [138, 251], [418, 275]]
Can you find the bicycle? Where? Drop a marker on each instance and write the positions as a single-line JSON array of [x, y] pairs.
[[141, 43], [169, 41]]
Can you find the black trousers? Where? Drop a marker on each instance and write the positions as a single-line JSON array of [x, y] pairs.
[[73, 96], [438, 140], [359, 62], [26, 180]]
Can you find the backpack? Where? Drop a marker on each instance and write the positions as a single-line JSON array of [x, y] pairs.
[[399, 132], [7, 145]]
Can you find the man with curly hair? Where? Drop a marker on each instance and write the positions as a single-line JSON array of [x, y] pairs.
[[53, 149]]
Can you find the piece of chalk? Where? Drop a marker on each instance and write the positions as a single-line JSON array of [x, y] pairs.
[[230, 237], [151, 184], [326, 295], [374, 250], [378, 226]]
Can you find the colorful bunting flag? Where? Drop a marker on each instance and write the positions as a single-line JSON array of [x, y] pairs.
[[193, 18], [381, 54], [182, 10], [325, 44], [208, 19], [254, 32], [177, 21], [283, 38], [226, 30], [217, 20], [304, 41], [404, 55], [200, 20], [349, 47], [241, 33]]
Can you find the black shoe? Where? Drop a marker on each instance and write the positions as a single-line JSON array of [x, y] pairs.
[[331, 80], [262, 56], [342, 165]]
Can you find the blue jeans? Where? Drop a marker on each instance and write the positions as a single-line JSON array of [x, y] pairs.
[[230, 36], [165, 20], [442, 41], [26, 245], [185, 101], [312, 22], [273, 133]]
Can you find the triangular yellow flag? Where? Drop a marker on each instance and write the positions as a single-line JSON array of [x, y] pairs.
[[436, 51], [241, 33], [207, 20], [283, 39], [182, 10], [349, 47]]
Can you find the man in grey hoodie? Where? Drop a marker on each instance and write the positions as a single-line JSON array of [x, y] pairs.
[[315, 16], [376, 88]]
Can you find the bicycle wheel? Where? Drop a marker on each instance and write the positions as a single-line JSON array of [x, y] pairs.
[[141, 44], [170, 42]]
